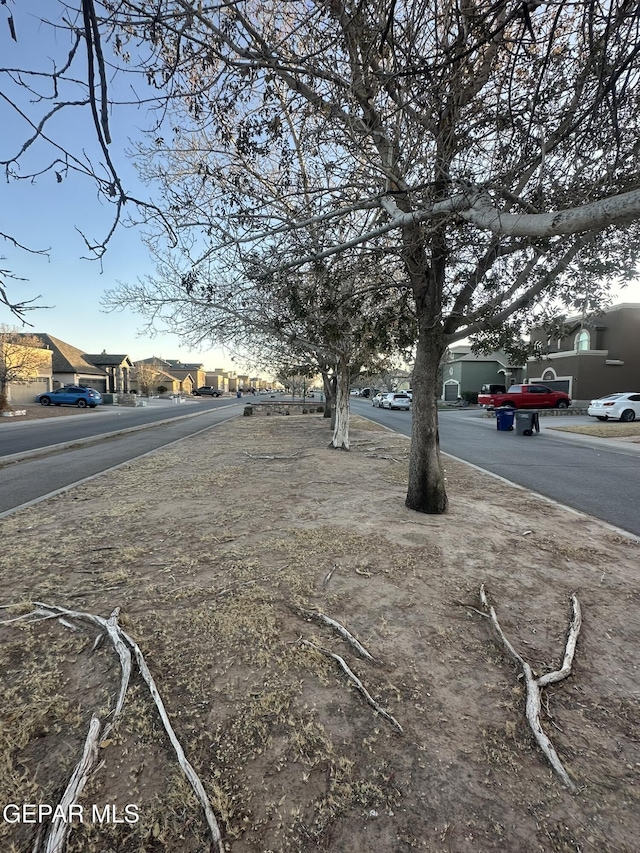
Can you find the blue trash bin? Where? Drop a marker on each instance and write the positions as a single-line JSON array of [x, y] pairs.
[[504, 418]]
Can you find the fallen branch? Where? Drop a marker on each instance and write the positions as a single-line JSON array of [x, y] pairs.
[[268, 456], [358, 684], [121, 641], [327, 577], [534, 685], [189, 772], [346, 635], [58, 833]]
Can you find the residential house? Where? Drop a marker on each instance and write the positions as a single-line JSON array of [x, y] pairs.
[[464, 371], [117, 369], [218, 379], [182, 371], [177, 376], [592, 356], [27, 371], [71, 366]]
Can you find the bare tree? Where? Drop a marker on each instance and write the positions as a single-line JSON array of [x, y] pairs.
[[148, 375], [490, 148], [484, 143], [21, 358]]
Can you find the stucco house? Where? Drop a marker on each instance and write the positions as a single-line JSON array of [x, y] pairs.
[[464, 371], [72, 366], [592, 356], [25, 371], [189, 376]]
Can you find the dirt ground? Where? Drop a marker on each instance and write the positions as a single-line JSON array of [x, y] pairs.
[[35, 412], [216, 549]]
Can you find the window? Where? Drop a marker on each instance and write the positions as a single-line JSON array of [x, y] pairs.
[[583, 340]]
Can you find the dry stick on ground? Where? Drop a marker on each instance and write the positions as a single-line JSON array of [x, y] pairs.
[[534, 685], [56, 838], [355, 680], [119, 637], [327, 577], [346, 635]]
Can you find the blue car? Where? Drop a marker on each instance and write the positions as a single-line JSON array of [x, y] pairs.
[[71, 395]]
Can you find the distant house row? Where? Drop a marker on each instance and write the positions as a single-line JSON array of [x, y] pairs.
[[592, 357], [59, 363]]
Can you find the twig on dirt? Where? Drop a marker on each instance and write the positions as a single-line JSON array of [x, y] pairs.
[[271, 456], [470, 607], [381, 456], [358, 684], [84, 593], [119, 638], [534, 685], [33, 616], [56, 838], [327, 577], [363, 573], [346, 635], [236, 586], [189, 772]]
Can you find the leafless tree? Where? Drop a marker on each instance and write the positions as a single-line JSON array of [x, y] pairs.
[[490, 148], [21, 358]]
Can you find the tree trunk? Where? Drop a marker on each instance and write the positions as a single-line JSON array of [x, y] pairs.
[[426, 491], [340, 438], [329, 396]]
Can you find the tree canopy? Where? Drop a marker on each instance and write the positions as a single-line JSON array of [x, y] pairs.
[[490, 149]]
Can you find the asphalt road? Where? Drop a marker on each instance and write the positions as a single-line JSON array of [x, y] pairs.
[[586, 474], [29, 480], [28, 436]]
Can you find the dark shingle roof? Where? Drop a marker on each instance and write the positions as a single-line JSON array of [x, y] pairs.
[[67, 359], [106, 359]]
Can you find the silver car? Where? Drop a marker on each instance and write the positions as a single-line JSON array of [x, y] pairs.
[[616, 407], [396, 400]]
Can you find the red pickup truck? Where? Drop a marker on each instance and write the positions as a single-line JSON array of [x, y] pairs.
[[526, 397]]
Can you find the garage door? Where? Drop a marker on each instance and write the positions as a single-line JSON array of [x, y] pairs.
[[25, 392]]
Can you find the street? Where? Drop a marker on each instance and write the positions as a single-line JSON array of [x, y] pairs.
[[31, 479], [588, 474], [585, 473], [20, 437]]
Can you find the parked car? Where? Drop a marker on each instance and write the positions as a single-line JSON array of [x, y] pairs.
[[377, 399], [207, 391], [355, 392], [396, 400], [493, 388], [623, 406], [526, 397], [71, 395]]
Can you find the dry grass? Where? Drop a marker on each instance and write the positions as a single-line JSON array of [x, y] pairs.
[[214, 553], [603, 430]]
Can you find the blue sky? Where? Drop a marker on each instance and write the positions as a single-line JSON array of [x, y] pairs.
[[45, 214]]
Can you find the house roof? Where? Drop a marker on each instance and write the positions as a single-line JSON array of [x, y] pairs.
[[106, 359], [68, 359], [498, 356], [180, 365]]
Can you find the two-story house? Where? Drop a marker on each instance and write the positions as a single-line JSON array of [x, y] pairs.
[[464, 371], [592, 356]]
